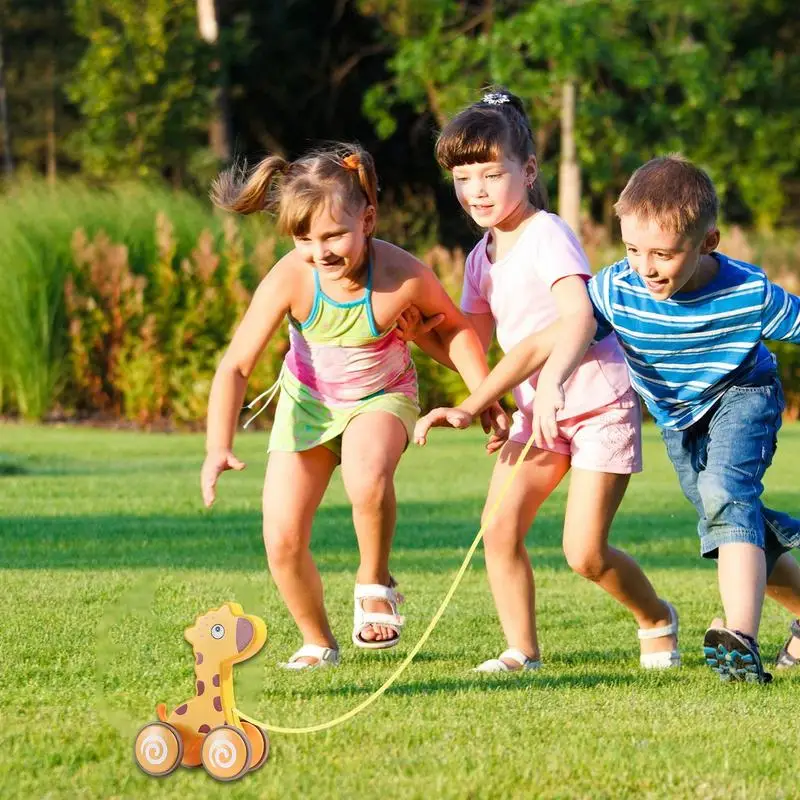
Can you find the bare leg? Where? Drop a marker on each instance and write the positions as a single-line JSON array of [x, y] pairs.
[[742, 565], [507, 562], [371, 449], [783, 586], [594, 498], [293, 489]]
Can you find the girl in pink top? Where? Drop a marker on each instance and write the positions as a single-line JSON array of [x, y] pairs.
[[526, 272]]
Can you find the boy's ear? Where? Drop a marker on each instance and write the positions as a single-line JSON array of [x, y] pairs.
[[710, 241]]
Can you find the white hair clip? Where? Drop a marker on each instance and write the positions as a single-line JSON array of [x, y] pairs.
[[495, 98]]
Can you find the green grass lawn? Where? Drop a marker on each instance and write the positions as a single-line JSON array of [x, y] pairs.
[[107, 555]]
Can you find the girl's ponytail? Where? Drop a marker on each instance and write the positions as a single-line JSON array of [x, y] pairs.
[[360, 162], [243, 192]]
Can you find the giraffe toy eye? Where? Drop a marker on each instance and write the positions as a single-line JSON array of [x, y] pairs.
[[217, 631]]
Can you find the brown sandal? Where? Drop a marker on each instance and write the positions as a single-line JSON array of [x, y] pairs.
[[784, 660]]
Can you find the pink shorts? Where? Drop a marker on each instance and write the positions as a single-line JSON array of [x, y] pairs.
[[606, 439]]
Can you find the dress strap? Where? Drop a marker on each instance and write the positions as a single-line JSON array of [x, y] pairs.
[[269, 394], [368, 300]]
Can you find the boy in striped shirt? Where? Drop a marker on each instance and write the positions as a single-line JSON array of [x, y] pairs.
[[691, 322]]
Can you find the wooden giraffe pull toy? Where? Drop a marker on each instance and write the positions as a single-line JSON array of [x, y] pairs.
[[208, 729]]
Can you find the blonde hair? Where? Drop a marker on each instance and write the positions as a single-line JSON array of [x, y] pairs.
[[673, 192], [296, 190], [495, 126]]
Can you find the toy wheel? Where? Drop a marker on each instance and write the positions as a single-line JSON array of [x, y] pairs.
[[259, 744], [158, 749], [226, 753]]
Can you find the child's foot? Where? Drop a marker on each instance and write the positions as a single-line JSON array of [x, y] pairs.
[[511, 660], [789, 655], [733, 655], [376, 623], [312, 656], [377, 633], [659, 643]]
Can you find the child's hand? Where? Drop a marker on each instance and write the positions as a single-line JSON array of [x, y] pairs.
[[495, 422], [410, 324], [215, 464], [548, 402], [440, 418]]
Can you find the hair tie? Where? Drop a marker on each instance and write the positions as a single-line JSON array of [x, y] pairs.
[[352, 162], [495, 98]]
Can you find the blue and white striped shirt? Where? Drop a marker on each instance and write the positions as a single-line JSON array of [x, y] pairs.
[[684, 352]]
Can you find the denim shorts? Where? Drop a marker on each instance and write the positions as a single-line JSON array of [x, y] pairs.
[[721, 460]]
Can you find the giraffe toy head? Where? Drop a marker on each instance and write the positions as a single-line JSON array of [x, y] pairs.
[[226, 634]]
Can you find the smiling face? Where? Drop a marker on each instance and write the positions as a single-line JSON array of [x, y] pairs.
[[491, 192], [667, 262], [335, 243]]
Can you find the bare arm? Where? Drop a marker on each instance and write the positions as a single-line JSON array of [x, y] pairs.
[[518, 364], [459, 343], [577, 330], [268, 307], [429, 342]]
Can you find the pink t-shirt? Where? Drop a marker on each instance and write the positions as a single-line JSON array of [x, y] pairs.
[[516, 292]]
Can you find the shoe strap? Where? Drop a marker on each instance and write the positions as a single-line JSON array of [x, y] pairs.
[[515, 655], [377, 591], [750, 641], [315, 651], [664, 630]]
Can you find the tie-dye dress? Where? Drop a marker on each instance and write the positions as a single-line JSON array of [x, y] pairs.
[[339, 366]]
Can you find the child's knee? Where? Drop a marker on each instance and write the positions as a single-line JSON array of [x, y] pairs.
[[370, 489], [588, 563], [285, 544], [502, 537]]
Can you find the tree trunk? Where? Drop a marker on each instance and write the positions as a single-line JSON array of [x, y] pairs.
[[569, 176], [219, 128], [8, 161], [50, 120], [608, 213]]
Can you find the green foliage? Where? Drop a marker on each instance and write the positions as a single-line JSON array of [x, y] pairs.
[[146, 348], [121, 301], [714, 80], [120, 255], [142, 87]]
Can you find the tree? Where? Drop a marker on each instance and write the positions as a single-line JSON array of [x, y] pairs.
[[40, 50], [716, 80], [219, 126], [8, 162], [142, 86]]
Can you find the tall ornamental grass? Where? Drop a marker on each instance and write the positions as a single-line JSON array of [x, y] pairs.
[[38, 226]]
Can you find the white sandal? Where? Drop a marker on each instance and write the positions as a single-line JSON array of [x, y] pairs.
[[663, 659], [512, 654], [365, 619], [326, 657]]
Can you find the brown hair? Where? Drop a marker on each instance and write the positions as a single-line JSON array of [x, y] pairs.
[[486, 131], [674, 193], [295, 190]]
